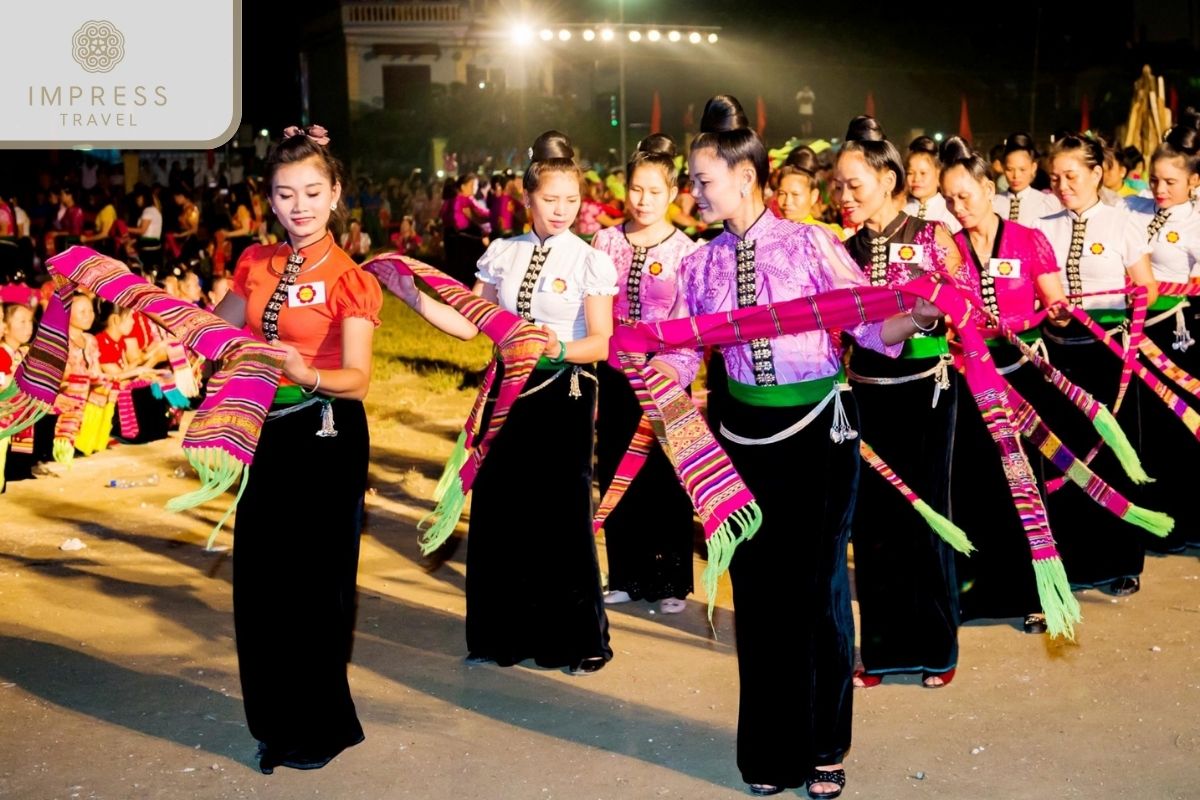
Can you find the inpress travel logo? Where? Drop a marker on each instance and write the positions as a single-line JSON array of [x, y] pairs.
[[106, 73], [98, 46]]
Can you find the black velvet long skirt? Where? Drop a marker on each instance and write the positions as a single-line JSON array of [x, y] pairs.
[[649, 534], [533, 580], [295, 569], [151, 413], [904, 573], [791, 594], [1169, 450], [996, 581], [1097, 547]]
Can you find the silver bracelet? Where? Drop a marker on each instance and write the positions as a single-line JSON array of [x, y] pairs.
[[317, 385], [917, 324]]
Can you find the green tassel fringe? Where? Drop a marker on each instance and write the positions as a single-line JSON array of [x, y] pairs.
[[64, 451], [722, 544], [1054, 591], [23, 410], [217, 470], [446, 515], [950, 533], [1156, 522], [1108, 428], [212, 537], [458, 457]]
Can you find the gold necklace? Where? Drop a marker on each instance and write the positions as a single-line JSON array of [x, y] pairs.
[[310, 268]]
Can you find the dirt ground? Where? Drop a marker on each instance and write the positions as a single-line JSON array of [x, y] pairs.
[[118, 677]]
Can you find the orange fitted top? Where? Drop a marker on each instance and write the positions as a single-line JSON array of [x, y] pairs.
[[327, 291]]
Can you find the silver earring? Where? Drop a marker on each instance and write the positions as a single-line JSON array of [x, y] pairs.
[[746, 190], [333, 206]]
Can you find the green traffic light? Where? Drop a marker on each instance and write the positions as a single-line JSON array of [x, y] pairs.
[[613, 122]]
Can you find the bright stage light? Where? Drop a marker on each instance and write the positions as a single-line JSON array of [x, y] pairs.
[[546, 34], [654, 36], [635, 36], [564, 35], [589, 35], [606, 34], [694, 37], [674, 36], [522, 34], [712, 38]]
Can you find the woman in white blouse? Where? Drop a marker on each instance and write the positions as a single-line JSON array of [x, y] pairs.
[[1098, 249], [1022, 203], [533, 579], [1171, 226]]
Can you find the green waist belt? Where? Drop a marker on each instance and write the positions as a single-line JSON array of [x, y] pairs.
[[291, 395], [1108, 316], [804, 393], [1166, 303], [545, 363], [925, 347], [1028, 337]]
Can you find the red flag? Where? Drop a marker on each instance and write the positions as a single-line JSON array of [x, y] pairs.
[[761, 127], [964, 122], [870, 112], [655, 114], [689, 117], [1173, 104], [1085, 115]]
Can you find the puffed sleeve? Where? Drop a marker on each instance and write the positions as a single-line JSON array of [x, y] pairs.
[[599, 275], [241, 272], [1134, 244], [356, 294], [839, 271], [1044, 261], [490, 266]]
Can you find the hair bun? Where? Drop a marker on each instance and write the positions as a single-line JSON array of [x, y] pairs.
[[865, 129], [658, 144], [924, 144], [953, 149], [723, 113], [552, 145], [803, 159]]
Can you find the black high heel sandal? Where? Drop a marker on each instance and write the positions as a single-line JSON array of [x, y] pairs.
[[837, 776]]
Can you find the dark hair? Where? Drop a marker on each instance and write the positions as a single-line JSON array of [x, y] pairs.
[[864, 129], [301, 147], [551, 152], [657, 150], [1182, 141], [1020, 142], [724, 127], [1088, 149], [925, 145], [955, 152], [462, 180], [803, 159], [880, 155]]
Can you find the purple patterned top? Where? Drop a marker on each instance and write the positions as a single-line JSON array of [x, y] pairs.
[[791, 261], [651, 297]]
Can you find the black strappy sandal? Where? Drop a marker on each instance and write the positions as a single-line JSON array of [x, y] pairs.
[[837, 776]]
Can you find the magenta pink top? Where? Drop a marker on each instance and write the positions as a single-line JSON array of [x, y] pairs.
[[1019, 256]]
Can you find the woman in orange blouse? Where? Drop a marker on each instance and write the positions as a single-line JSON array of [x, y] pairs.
[[300, 517]]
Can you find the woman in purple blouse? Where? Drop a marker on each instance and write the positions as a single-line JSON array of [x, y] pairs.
[[789, 428], [649, 535]]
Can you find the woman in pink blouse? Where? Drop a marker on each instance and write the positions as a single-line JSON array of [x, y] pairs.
[[1011, 269], [788, 429], [648, 536]]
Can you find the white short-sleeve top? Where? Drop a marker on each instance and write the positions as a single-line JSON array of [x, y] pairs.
[[1176, 243], [1112, 242], [569, 271], [1034, 205], [935, 211]]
